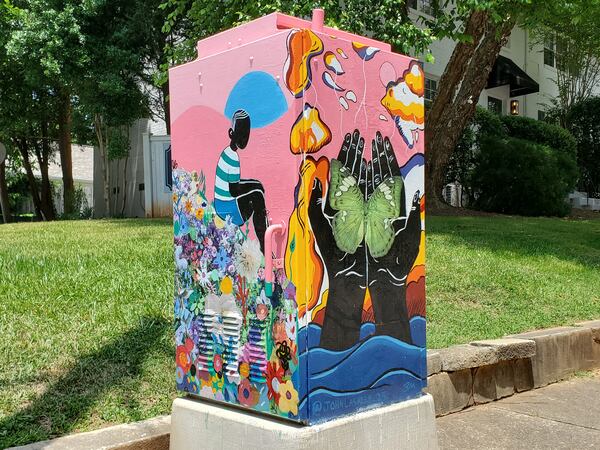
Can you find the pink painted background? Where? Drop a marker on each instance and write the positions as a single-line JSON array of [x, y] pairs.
[[199, 92]]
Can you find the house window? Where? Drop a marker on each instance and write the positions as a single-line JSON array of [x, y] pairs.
[[541, 115], [550, 52], [427, 7], [411, 4], [430, 91], [495, 105], [448, 194]]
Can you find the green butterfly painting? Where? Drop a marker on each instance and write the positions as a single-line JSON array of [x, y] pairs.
[[358, 219]]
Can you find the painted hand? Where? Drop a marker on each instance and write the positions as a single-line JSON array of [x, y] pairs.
[[346, 271], [388, 273]]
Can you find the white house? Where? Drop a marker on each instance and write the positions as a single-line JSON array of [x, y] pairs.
[[522, 80], [524, 72], [83, 178]]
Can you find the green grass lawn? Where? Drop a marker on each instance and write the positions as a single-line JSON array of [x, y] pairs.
[[85, 308]]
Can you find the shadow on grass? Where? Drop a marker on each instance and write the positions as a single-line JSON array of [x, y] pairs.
[[577, 241], [57, 411]]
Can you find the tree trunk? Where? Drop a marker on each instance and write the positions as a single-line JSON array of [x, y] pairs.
[[33, 188], [166, 105], [102, 137], [4, 203], [46, 200], [64, 146], [124, 187], [461, 84]]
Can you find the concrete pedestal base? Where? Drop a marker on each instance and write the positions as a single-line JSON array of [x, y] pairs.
[[200, 425]]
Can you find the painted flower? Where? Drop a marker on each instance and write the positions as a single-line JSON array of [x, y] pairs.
[[188, 206], [290, 327], [222, 260], [274, 379], [207, 392], [262, 298], [248, 258], [184, 359], [199, 213], [179, 374], [226, 285], [279, 333], [288, 398], [262, 311], [217, 382], [218, 363], [290, 291], [219, 223], [202, 275], [244, 370], [248, 395]]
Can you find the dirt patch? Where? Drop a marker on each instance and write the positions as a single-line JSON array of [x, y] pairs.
[[584, 214]]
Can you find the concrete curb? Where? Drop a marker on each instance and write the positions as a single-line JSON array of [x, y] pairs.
[[484, 371], [458, 377], [152, 434]]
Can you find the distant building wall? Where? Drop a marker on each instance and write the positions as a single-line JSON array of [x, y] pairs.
[[123, 178], [158, 175]]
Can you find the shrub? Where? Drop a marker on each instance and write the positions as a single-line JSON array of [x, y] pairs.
[[540, 132], [584, 120], [462, 160], [517, 176]]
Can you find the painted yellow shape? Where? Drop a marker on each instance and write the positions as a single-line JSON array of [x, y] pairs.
[[302, 46], [303, 266], [309, 133]]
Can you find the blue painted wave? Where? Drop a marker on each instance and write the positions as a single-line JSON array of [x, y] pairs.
[[394, 387], [418, 159], [377, 370], [417, 330], [310, 336]]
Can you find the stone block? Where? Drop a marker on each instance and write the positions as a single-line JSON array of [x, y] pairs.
[[451, 391], [466, 356], [484, 384], [523, 374], [594, 326], [199, 425], [493, 382], [434, 362], [509, 348], [505, 379], [559, 352]]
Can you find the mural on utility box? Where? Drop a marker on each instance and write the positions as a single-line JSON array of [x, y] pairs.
[[324, 135]]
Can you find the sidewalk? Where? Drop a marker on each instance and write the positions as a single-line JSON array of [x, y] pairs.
[[564, 415]]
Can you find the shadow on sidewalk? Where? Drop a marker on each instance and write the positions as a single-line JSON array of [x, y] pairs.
[[69, 398]]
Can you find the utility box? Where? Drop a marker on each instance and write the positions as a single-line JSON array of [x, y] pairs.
[[298, 210]]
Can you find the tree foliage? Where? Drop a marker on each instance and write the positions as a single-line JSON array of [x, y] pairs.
[[72, 66], [572, 28], [540, 132], [515, 165]]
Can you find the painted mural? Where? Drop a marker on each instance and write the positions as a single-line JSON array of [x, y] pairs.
[[325, 135]]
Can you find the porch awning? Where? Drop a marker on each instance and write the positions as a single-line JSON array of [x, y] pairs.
[[505, 71]]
